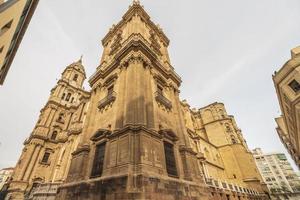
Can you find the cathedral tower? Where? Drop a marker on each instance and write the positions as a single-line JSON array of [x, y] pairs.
[[135, 143], [131, 137], [46, 154]]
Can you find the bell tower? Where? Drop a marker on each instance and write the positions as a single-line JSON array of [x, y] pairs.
[[134, 143], [46, 155]]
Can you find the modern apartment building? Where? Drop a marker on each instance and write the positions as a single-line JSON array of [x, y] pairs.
[[277, 173]]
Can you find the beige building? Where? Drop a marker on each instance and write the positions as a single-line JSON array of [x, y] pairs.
[[287, 84], [278, 174], [14, 18], [130, 136], [5, 175]]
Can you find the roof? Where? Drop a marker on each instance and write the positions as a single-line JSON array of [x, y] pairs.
[[136, 8]]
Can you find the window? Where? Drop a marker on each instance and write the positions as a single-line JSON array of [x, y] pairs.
[[63, 96], [234, 176], [61, 118], [53, 136], [170, 159], [72, 99], [1, 49], [227, 197], [233, 140], [75, 77], [6, 27], [159, 90], [295, 85], [110, 90], [228, 129], [46, 157], [98, 160], [68, 97]]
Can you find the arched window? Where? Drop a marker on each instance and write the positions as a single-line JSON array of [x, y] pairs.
[[63, 96], [53, 136], [61, 117], [68, 97], [228, 129], [45, 158], [233, 140], [221, 112], [75, 77]]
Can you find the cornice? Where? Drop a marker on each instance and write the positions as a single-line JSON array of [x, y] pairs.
[[136, 43], [133, 10], [71, 86]]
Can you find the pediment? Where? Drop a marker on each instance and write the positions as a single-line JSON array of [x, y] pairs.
[[99, 134], [168, 133]]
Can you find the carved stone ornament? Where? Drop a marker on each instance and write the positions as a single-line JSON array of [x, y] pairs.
[[169, 134], [116, 43], [154, 43], [100, 133], [134, 58]]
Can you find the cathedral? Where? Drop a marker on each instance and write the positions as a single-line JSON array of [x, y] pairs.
[[130, 137]]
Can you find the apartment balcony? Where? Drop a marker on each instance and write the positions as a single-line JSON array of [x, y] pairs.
[[163, 100], [107, 100]]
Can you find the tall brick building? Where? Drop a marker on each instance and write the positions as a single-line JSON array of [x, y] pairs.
[[130, 136]]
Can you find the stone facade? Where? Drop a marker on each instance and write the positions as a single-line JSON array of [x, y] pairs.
[[130, 136], [15, 16], [287, 84]]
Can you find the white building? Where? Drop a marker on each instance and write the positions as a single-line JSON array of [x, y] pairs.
[[278, 174]]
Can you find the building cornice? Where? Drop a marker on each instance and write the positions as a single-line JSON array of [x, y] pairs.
[[133, 44]]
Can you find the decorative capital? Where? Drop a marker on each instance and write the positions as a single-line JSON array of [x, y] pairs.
[[135, 58]]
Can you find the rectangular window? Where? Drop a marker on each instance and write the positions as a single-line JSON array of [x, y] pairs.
[[294, 85], [170, 159], [46, 157], [1, 49], [98, 160], [110, 90], [6, 27], [159, 90]]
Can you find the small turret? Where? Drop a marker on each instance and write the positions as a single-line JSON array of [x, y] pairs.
[[74, 74], [71, 80]]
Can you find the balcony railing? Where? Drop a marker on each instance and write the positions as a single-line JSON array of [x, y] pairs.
[[163, 100], [107, 100], [43, 191], [229, 186]]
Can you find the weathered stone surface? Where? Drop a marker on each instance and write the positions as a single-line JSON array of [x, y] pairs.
[[145, 143]]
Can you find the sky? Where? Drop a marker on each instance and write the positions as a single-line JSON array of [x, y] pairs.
[[224, 51]]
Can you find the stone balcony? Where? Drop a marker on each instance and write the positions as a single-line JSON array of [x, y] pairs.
[[107, 100], [163, 100], [44, 191]]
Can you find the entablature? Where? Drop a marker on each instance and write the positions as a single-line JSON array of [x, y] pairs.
[[135, 44]]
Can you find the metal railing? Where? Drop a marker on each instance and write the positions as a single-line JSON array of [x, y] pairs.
[[229, 186], [163, 100]]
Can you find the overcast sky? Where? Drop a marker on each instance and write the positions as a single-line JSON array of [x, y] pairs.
[[224, 51]]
